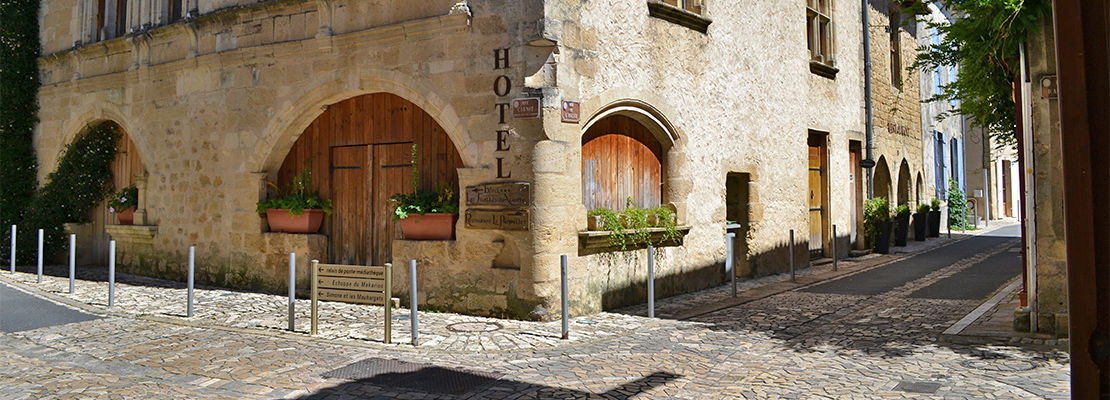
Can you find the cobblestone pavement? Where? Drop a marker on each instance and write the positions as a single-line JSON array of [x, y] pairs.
[[775, 342]]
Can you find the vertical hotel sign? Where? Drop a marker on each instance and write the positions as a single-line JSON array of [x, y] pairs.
[[510, 200], [502, 85]]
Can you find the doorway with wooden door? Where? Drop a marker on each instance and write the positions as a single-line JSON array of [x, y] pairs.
[[818, 194], [126, 166], [359, 152]]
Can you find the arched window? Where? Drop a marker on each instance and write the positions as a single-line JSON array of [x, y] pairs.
[[621, 159]]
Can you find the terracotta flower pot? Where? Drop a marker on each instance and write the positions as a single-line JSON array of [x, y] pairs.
[[430, 226], [281, 221], [126, 217]]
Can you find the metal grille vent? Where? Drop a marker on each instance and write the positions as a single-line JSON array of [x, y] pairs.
[[918, 387], [423, 377]]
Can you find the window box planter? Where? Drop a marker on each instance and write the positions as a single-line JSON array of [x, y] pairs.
[[282, 220], [430, 226], [597, 241]]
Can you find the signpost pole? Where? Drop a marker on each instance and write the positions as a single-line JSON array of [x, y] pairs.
[[313, 284]]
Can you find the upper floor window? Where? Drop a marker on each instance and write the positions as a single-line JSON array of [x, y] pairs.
[[175, 10], [895, 48], [819, 36], [688, 13]]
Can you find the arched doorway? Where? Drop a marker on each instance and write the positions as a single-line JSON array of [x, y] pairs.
[[359, 152], [920, 189], [127, 165], [882, 179], [904, 183], [621, 159]]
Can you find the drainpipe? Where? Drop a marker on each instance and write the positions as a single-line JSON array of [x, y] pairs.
[[867, 96], [1028, 205]]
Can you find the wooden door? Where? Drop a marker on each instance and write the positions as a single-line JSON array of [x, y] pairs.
[[816, 204], [350, 241], [392, 174], [856, 183], [124, 168]]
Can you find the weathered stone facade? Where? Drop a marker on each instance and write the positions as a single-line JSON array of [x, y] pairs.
[[214, 103], [938, 132]]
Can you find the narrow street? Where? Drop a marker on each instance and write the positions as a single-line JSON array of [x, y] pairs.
[[872, 333]]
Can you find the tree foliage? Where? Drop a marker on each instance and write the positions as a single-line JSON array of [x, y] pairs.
[[984, 42], [19, 85]]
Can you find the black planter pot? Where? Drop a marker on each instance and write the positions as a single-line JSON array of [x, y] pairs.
[[901, 230], [882, 241], [920, 226], [934, 223]]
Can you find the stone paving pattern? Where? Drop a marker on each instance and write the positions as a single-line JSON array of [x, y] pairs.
[[771, 342]]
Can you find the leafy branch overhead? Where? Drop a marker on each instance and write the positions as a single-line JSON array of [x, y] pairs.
[[984, 43]]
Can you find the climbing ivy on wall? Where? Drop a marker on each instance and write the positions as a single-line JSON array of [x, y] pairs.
[[19, 85], [81, 182]]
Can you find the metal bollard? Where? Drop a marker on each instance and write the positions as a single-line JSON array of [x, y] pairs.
[[111, 273], [40, 256], [72, 260], [292, 290], [192, 257], [13, 250], [566, 313], [313, 268], [836, 255], [412, 303], [729, 266], [651, 281], [791, 255]]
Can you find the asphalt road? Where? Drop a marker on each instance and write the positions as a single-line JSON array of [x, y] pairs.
[[978, 281], [21, 312]]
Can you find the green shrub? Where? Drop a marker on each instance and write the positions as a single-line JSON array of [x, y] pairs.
[[422, 201], [922, 208], [957, 206], [19, 85], [79, 184], [936, 204], [296, 197], [902, 211], [876, 211]]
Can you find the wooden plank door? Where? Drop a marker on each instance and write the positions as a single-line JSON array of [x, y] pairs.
[[349, 240], [816, 204], [392, 174]]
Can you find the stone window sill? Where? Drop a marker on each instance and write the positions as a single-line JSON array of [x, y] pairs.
[[822, 69], [141, 234], [591, 242], [666, 12]]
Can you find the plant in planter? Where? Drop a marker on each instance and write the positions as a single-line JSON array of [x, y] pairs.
[[901, 224], [426, 214], [957, 206], [876, 221], [634, 225], [934, 219], [921, 222], [123, 203], [295, 209]]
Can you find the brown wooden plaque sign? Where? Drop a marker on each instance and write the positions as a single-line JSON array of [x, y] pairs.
[[348, 271], [352, 296], [1049, 89], [499, 194], [508, 220]]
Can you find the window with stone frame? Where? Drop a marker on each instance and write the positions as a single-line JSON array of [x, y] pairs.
[[621, 159], [694, 6], [819, 35], [175, 10]]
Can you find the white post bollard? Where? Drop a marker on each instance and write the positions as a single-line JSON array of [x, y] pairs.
[[13, 249], [72, 260], [111, 273], [192, 253], [40, 256], [729, 264], [563, 281], [292, 288], [651, 282], [791, 255], [412, 303]]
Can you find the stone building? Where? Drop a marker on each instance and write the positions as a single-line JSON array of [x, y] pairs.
[[899, 172], [943, 138], [743, 112]]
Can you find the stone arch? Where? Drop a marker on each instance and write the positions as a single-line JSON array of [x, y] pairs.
[[287, 128], [99, 113], [882, 179], [647, 115], [920, 189], [904, 189]]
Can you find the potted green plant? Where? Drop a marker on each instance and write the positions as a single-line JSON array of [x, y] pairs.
[[934, 219], [426, 214], [295, 209], [876, 221], [635, 225], [901, 225], [921, 222], [123, 203]]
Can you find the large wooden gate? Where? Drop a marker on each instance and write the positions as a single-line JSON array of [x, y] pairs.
[[124, 168], [359, 151]]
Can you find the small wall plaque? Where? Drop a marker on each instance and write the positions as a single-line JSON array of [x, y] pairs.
[[572, 111], [499, 194], [506, 220], [1049, 90], [526, 108]]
